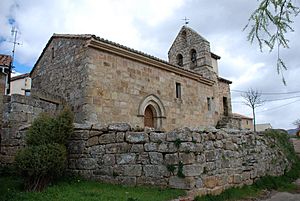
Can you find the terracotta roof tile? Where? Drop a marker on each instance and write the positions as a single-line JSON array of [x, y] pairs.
[[5, 60]]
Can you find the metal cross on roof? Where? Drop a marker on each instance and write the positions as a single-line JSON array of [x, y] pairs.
[[186, 20]]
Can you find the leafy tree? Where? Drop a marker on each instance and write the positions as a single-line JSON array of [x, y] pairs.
[[45, 156], [253, 99], [270, 23]]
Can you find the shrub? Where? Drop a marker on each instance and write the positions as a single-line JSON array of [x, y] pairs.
[[40, 164], [46, 129], [45, 156]]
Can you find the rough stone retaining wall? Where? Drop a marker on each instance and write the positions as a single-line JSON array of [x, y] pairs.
[[18, 113], [207, 160]]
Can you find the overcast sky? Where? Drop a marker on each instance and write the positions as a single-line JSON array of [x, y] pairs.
[[151, 27]]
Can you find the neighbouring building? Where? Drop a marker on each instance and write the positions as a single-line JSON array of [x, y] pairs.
[[106, 82], [5, 73], [243, 122], [263, 127], [20, 84]]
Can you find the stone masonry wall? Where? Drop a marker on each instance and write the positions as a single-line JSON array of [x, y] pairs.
[[18, 113], [61, 70], [207, 161], [118, 85]]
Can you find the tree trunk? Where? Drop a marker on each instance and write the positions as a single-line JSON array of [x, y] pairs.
[[254, 122]]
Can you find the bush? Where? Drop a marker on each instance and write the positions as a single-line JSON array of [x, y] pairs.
[[45, 156], [46, 129], [40, 164]]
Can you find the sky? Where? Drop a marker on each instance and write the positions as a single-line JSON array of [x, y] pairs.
[[151, 26]]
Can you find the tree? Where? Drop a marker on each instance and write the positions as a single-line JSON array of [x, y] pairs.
[[297, 123], [270, 23], [253, 99]]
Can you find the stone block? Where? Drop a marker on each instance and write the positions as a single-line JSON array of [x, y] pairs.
[[123, 127], [152, 181], [117, 148], [137, 148], [183, 135], [211, 136], [167, 147], [237, 179], [201, 158], [128, 158], [210, 155], [120, 137], [155, 158], [199, 183], [86, 164], [92, 141], [172, 159], [156, 171], [157, 137], [136, 137], [109, 159], [151, 146], [210, 182], [80, 135], [196, 137], [218, 144], [76, 147], [187, 158], [96, 150], [230, 146], [107, 138], [210, 166], [143, 158], [192, 170], [132, 170], [191, 147], [182, 183], [104, 170]]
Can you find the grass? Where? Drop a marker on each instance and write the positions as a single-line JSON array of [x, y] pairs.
[[81, 190]]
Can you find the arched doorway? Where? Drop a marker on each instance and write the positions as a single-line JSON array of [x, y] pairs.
[[149, 117], [152, 111]]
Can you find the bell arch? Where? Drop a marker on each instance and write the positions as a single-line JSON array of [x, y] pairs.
[[152, 103]]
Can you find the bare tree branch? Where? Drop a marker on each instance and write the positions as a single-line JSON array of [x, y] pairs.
[[253, 99]]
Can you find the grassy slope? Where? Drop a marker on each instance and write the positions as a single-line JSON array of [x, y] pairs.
[[76, 190]]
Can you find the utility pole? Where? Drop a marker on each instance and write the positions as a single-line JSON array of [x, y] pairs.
[[14, 33]]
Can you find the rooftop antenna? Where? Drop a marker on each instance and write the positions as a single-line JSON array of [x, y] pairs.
[[186, 20], [14, 33]]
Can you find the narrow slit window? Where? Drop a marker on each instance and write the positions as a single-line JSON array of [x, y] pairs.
[[178, 90], [209, 104], [52, 53]]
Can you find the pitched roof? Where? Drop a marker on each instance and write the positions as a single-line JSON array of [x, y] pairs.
[[239, 116], [5, 60], [90, 37], [19, 77]]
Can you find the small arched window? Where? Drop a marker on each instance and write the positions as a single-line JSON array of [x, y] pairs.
[[183, 35], [179, 60], [193, 56]]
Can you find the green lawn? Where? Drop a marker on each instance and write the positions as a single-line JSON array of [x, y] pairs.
[[78, 190]]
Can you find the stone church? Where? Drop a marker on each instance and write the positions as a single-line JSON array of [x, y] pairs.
[[105, 82]]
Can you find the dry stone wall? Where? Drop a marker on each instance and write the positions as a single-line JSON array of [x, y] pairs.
[[208, 160], [18, 113]]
